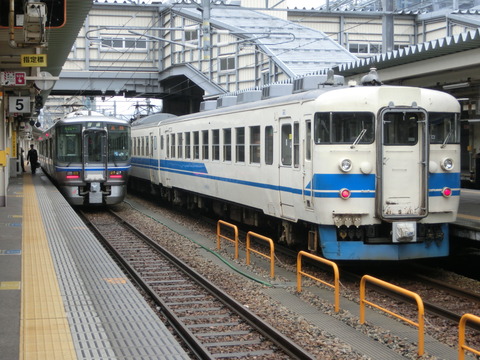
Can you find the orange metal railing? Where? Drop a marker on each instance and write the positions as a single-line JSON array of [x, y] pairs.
[[222, 236], [336, 281], [272, 251], [415, 296], [461, 335]]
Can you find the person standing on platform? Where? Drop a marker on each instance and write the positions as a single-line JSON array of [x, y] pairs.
[[32, 156], [22, 159]]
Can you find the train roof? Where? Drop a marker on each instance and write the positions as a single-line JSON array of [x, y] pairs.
[[153, 119]]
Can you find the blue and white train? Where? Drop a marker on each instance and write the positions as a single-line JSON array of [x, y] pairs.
[[87, 155], [355, 173]]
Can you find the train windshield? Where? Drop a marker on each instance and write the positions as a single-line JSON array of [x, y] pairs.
[[69, 144], [118, 140], [344, 128], [444, 128]]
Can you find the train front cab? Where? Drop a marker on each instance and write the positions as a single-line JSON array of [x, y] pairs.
[[416, 191], [100, 176]]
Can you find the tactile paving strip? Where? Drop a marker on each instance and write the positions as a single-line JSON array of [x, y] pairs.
[[108, 318]]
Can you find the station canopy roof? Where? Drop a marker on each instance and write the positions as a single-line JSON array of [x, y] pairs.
[[296, 49]]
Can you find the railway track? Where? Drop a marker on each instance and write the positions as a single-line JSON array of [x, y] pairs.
[[212, 324]]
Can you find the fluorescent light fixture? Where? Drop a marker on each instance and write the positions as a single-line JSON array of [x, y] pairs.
[[456, 86]]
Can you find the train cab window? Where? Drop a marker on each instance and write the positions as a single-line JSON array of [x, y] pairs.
[[240, 144], [286, 150], [296, 144], [118, 143], [344, 128], [269, 145], [444, 128], [215, 144], [308, 140], [255, 144], [227, 144], [196, 145], [69, 143], [187, 146], [205, 145], [180, 145], [400, 128]]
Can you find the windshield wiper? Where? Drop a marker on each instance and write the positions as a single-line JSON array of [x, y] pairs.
[[446, 138], [359, 137]]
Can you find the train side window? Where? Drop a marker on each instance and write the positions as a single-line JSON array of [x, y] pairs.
[[142, 146], [286, 144], [162, 142], [172, 145], [255, 144], [168, 145], [187, 146], [308, 140], [269, 145], [240, 144], [147, 146], [196, 145], [296, 144], [227, 144], [180, 145], [205, 144], [216, 144]]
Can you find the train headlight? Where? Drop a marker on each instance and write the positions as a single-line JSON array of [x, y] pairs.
[[344, 193], [345, 165], [447, 164], [446, 192]]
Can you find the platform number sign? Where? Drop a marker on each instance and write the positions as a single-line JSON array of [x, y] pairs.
[[19, 104]]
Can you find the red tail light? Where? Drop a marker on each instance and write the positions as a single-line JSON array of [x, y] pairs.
[[344, 193], [72, 175], [115, 175], [447, 192]]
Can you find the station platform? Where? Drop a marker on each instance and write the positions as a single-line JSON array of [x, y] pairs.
[[61, 295]]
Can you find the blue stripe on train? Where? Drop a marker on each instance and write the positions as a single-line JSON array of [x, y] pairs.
[[324, 185]]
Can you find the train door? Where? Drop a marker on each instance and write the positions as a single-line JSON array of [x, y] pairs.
[[95, 155], [152, 150], [403, 164], [95, 162], [289, 160], [307, 163]]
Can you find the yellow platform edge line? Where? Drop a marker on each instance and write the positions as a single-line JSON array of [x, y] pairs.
[[44, 330]]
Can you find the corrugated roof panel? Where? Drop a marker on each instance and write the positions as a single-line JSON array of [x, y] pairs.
[[297, 49]]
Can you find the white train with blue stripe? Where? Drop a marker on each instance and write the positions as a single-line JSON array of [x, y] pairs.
[[355, 173], [87, 155]]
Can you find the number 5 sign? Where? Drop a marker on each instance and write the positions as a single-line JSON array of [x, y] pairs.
[[19, 104]]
